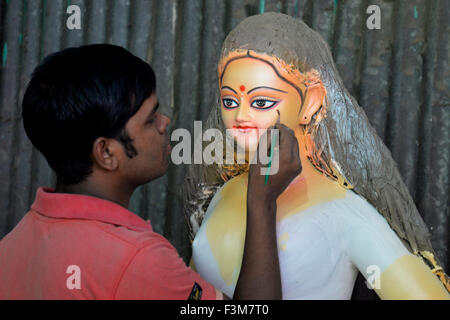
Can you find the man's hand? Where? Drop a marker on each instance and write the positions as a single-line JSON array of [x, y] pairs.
[[289, 165]]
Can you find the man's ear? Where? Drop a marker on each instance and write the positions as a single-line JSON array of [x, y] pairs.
[[314, 98], [105, 153]]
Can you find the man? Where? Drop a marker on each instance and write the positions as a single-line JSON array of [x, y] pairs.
[[93, 113]]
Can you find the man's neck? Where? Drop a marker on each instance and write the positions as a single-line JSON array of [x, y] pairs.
[[109, 191]]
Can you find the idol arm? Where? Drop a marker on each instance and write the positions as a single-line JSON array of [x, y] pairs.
[[379, 254], [410, 278]]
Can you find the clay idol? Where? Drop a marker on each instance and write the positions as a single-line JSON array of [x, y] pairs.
[[347, 212]]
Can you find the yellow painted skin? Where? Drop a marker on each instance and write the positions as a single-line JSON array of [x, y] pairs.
[[406, 278], [410, 278], [225, 228], [310, 188]]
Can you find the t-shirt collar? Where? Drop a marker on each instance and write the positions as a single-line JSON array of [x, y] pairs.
[[77, 206]]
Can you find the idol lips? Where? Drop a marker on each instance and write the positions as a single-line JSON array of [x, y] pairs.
[[244, 129]]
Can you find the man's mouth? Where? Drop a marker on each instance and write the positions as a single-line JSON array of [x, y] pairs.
[[244, 129], [168, 146]]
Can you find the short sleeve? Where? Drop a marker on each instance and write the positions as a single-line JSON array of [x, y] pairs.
[[370, 241], [157, 272]]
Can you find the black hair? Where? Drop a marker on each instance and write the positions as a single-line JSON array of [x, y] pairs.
[[79, 94]]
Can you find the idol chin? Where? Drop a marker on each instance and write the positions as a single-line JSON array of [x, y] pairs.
[[246, 138]]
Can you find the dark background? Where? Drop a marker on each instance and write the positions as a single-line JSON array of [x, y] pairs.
[[400, 75]]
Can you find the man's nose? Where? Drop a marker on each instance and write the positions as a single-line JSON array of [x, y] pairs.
[[165, 123]]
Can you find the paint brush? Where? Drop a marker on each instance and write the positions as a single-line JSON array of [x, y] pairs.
[[272, 146]]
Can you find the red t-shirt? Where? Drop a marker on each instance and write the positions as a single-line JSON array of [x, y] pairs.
[[72, 246]]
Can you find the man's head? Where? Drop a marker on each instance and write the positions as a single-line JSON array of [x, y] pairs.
[[92, 111]]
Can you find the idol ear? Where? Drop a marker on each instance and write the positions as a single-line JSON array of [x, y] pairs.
[[313, 100]]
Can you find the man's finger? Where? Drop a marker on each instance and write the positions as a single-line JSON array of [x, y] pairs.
[[287, 139]]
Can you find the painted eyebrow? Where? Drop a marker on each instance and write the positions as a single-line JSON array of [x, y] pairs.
[[270, 88], [227, 87]]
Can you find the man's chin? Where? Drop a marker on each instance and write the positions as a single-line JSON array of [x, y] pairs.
[[163, 170]]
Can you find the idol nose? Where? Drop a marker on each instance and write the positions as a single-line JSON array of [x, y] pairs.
[[244, 114]]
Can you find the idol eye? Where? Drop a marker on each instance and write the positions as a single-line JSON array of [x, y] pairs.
[[229, 103], [263, 104]]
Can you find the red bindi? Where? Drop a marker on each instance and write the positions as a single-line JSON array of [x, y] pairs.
[[242, 88]]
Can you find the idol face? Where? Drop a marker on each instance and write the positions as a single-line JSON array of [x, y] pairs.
[[251, 94]]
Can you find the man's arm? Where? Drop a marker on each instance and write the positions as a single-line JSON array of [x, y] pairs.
[[260, 271]]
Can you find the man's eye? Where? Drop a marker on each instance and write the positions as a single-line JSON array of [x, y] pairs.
[[263, 104], [229, 103]]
